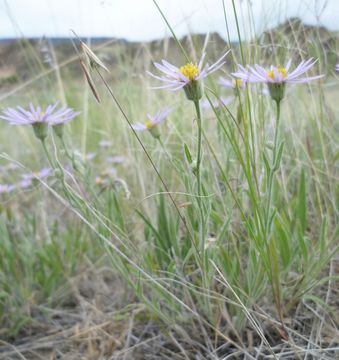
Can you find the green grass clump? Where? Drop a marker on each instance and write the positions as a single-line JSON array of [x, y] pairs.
[[228, 221]]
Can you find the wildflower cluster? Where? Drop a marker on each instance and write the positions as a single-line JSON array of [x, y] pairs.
[[189, 77]]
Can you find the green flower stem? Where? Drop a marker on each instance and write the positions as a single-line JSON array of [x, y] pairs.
[[273, 169], [273, 270], [198, 111], [71, 195], [48, 155], [54, 165], [65, 148], [202, 224], [163, 147]]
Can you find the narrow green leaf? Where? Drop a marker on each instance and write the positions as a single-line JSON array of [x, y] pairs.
[[279, 156], [267, 164], [188, 154]]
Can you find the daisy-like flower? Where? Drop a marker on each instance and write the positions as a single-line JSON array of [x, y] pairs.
[[152, 121], [39, 119], [188, 76], [277, 77], [234, 84], [60, 118]]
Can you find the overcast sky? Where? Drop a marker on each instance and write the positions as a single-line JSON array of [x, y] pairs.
[[140, 20]]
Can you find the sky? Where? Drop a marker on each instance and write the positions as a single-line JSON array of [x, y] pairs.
[[139, 20]]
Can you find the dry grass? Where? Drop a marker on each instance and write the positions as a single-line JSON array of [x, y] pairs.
[[96, 324]]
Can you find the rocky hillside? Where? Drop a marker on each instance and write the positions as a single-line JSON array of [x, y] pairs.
[[297, 39]]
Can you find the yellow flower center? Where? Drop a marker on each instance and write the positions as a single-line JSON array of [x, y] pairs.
[[237, 83], [149, 124], [190, 70], [42, 114], [282, 71]]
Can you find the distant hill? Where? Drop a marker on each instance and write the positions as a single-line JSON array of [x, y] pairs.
[[293, 39]]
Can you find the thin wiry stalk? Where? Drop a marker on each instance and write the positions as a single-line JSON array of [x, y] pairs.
[[48, 155], [172, 31], [238, 32]]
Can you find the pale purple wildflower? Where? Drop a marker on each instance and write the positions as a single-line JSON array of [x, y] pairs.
[[29, 178], [89, 156], [50, 116], [176, 78], [337, 67], [117, 159], [153, 120], [42, 174], [109, 172], [105, 144], [6, 188], [277, 74], [63, 116], [24, 184], [277, 77], [232, 83]]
